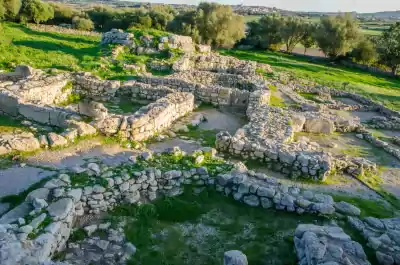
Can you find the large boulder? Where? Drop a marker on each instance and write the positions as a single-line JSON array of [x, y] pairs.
[[298, 122], [319, 125], [235, 257], [347, 208], [24, 143], [56, 140], [61, 209], [83, 128], [92, 109]]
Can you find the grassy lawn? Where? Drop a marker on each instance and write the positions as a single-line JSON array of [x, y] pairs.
[[251, 18], [203, 226], [22, 45], [378, 87]]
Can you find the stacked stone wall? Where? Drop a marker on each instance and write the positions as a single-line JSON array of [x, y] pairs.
[[372, 105], [91, 86], [149, 119], [217, 95], [327, 245], [264, 138], [382, 235], [220, 79], [215, 63], [61, 201]]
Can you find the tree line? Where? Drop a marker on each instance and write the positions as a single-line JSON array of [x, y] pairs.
[[336, 36], [217, 25]]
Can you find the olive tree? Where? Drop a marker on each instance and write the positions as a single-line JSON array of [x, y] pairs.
[[292, 32], [308, 39], [82, 23], [389, 50], [36, 11], [266, 32], [335, 36], [365, 52], [218, 26], [9, 9]]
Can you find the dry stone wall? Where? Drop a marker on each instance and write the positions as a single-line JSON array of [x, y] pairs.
[[372, 105], [215, 63], [266, 138], [149, 119], [91, 86], [382, 235], [54, 207], [327, 245]]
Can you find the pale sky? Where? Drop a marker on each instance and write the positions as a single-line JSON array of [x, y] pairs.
[[362, 6]]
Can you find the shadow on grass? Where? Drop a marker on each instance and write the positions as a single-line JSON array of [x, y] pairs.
[[58, 36], [48, 46]]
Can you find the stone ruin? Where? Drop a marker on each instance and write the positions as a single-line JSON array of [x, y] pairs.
[[148, 44], [51, 211], [223, 81], [220, 80]]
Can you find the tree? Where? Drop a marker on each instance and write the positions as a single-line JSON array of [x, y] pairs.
[[2, 10], [63, 14], [11, 8], [336, 35], [36, 11], [185, 24], [389, 50], [308, 39], [292, 32], [365, 52], [82, 23], [100, 15], [266, 32], [218, 25]]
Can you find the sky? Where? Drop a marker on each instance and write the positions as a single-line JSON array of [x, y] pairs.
[[361, 6]]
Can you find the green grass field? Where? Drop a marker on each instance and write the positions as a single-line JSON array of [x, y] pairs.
[[21, 45], [378, 87]]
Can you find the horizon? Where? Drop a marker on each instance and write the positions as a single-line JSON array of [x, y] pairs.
[[326, 6]]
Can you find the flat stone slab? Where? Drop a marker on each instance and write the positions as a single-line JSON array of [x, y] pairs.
[[17, 179], [18, 212], [61, 208]]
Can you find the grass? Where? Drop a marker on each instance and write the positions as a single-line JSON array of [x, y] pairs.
[[207, 137], [309, 96], [377, 87], [72, 98], [276, 101], [10, 125], [355, 151], [77, 235], [22, 45], [203, 226], [368, 207], [251, 18]]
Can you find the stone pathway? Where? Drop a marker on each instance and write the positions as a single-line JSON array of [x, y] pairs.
[[76, 155], [185, 145]]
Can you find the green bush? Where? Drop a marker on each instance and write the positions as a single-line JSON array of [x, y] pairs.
[[82, 23]]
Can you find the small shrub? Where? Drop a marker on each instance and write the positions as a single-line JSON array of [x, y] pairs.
[[78, 235]]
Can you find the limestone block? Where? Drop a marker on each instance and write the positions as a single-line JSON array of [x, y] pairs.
[[319, 125]]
